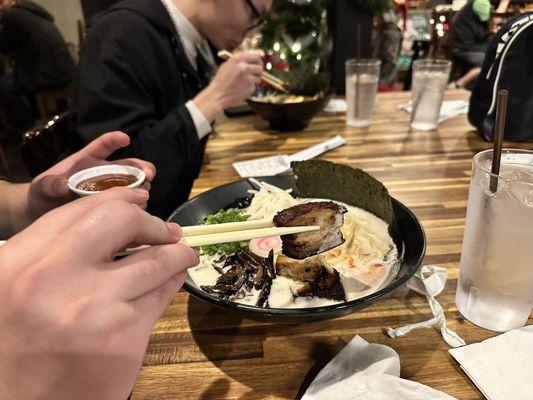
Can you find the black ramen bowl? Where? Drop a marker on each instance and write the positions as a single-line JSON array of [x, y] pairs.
[[286, 117], [407, 235]]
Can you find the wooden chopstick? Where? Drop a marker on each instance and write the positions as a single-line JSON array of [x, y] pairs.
[[237, 236], [227, 227], [231, 236], [274, 84], [272, 80]]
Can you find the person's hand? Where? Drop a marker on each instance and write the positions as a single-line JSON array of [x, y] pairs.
[[50, 189], [75, 323], [235, 81]]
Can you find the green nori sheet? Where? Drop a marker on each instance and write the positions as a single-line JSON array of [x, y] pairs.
[[326, 180]]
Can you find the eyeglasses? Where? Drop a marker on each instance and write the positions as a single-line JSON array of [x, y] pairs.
[[256, 15]]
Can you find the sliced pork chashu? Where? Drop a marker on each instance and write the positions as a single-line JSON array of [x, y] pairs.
[[318, 279], [326, 214]]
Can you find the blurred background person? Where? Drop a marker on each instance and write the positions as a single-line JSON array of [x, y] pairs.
[[42, 60], [471, 32], [147, 68], [387, 41]]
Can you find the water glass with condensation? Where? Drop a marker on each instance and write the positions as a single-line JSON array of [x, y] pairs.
[[430, 78], [362, 79], [495, 288]]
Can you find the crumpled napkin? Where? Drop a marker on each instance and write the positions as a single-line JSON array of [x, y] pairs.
[[448, 110], [364, 371], [501, 367], [430, 281]]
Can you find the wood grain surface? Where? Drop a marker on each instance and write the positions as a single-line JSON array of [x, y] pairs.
[[198, 352]]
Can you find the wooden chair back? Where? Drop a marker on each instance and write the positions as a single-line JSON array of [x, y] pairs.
[[52, 102], [44, 145]]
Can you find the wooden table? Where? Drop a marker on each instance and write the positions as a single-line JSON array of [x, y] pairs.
[[198, 352]]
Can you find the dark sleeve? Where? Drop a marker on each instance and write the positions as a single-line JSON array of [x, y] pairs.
[[468, 33], [117, 89], [9, 37]]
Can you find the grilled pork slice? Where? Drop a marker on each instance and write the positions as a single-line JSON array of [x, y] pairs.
[[327, 214], [318, 280], [299, 270], [327, 285]]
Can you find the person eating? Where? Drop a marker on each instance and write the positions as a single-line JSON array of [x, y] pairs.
[[147, 68]]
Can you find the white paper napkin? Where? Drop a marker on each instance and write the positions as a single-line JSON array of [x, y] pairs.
[[449, 109], [278, 164], [336, 106], [501, 367], [430, 281], [364, 371]]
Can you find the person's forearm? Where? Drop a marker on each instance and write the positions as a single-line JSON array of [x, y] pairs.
[[503, 6], [209, 103], [13, 208]]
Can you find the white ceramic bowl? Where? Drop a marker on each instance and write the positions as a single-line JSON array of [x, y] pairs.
[[75, 179]]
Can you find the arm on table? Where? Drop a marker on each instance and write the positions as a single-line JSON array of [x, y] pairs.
[[13, 208]]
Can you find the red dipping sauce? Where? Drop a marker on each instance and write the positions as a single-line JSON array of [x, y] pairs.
[[107, 181]]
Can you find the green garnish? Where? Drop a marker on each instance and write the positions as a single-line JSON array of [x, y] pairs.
[[222, 217]]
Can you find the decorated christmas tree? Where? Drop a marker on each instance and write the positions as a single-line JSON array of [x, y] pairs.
[[295, 42]]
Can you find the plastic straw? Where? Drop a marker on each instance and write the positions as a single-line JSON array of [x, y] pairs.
[[357, 74], [501, 117]]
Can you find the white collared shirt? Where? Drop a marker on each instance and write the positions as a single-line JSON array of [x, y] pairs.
[[192, 43]]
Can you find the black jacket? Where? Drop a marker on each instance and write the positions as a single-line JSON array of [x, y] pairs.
[[42, 58], [469, 32], [134, 76]]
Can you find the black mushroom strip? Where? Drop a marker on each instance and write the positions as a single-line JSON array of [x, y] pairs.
[[326, 214], [270, 274], [246, 271]]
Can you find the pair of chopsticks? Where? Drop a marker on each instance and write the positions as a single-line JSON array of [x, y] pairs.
[[268, 78], [204, 235]]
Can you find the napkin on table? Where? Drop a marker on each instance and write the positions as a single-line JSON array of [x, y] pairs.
[[501, 367], [448, 110], [336, 106], [364, 371], [278, 164]]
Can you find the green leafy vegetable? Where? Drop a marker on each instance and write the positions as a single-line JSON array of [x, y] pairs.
[[222, 217]]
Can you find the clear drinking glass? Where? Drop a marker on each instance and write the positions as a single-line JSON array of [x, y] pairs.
[[495, 289], [362, 78], [430, 78]]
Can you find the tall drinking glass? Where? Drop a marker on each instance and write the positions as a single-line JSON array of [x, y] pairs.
[[362, 78], [430, 78], [495, 289]]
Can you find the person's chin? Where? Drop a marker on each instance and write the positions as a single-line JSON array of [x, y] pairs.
[[232, 44]]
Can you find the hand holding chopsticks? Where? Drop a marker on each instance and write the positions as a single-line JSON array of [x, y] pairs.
[[268, 78], [204, 235]]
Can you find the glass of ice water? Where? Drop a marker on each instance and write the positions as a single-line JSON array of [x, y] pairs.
[[362, 78], [495, 289], [430, 78]]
